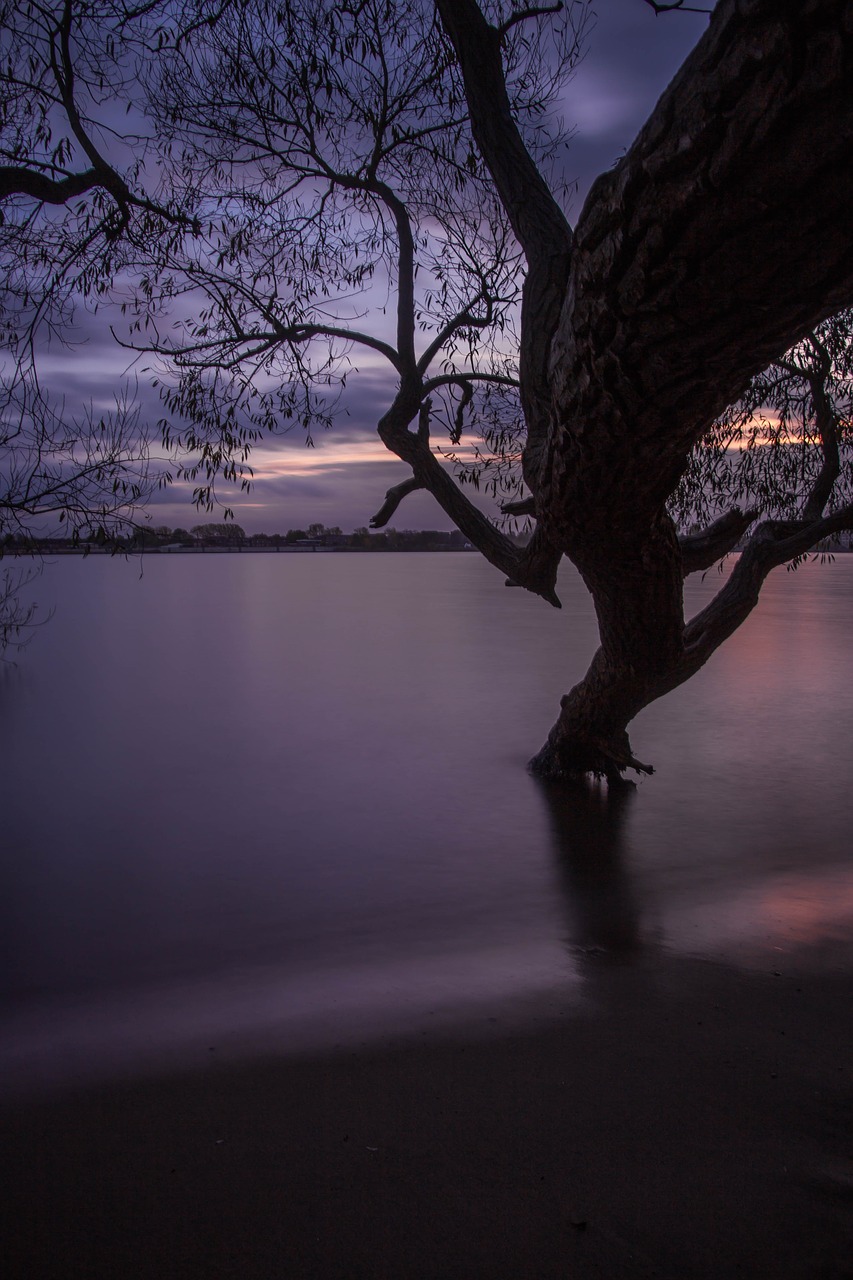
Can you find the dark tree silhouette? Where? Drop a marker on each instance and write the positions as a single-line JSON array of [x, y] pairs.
[[219, 531], [718, 241], [69, 193]]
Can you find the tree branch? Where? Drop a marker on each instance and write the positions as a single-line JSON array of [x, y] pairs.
[[462, 318], [537, 567], [18, 181], [405, 273], [469, 375], [774, 543], [459, 417], [537, 220], [827, 425], [21, 180], [524, 507], [701, 550], [523, 14], [296, 334], [660, 8], [535, 570], [393, 497], [62, 65]]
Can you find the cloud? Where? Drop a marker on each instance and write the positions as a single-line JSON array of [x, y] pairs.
[[335, 495], [631, 57], [602, 105]]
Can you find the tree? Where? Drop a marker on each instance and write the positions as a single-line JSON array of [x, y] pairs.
[[317, 148], [66, 201], [218, 531], [86, 474], [715, 244]]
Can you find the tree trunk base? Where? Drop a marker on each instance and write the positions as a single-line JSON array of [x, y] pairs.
[[570, 758]]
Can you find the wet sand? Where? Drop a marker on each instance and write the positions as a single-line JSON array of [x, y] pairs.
[[692, 1120]]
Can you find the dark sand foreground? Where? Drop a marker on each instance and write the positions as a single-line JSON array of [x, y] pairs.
[[694, 1121]]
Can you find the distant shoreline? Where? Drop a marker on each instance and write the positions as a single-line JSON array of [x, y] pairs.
[[235, 549]]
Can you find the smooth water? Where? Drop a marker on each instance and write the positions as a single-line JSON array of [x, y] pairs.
[[282, 799]]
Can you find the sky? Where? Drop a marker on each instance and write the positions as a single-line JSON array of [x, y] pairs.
[[632, 55]]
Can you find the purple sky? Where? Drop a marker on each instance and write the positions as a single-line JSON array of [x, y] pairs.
[[631, 57]]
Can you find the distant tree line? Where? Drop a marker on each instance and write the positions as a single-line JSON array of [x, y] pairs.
[[229, 534]]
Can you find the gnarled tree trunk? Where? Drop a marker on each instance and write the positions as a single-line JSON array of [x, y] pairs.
[[716, 243], [636, 586]]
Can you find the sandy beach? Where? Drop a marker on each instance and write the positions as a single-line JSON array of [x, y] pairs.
[[691, 1120]]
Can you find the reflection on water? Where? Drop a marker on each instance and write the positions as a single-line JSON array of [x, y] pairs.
[[285, 797]]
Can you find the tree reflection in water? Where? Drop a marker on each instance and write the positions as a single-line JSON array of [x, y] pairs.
[[599, 899]]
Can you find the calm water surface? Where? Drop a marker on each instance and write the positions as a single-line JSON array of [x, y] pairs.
[[281, 799]]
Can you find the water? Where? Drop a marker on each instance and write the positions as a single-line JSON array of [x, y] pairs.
[[281, 799]]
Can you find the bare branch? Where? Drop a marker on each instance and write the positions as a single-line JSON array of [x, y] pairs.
[[463, 319], [393, 498], [243, 345], [523, 14], [28, 180], [660, 8], [405, 274], [537, 219]]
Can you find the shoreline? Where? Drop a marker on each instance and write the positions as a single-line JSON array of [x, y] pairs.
[[689, 1120]]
